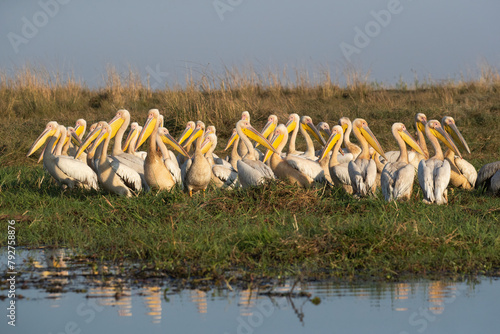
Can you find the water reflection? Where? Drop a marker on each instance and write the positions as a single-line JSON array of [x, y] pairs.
[[158, 302]]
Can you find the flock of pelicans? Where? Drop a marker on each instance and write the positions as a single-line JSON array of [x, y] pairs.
[[85, 162]]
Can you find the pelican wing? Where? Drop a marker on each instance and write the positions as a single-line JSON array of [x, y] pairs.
[[425, 179], [441, 180], [467, 170], [307, 167], [77, 170], [404, 181], [253, 173], [226, 175], [363, 174], [173, 168], [127, 174], [487, 172], [342, 173], [387, 180]]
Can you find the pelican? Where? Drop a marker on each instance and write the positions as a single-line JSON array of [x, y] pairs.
[[414, 157], [223, 176], [131, 141], [114, 176], [352, 150], [434, 173], [79, 131], [198, 169], [463, 174], [267, 130], [397, 177], [304, 126], [169, 158], [157, 175], [252, 172], [122, 118], [339, 173], [363, 170], [281, 168], [235, 156], [67, 171], [488, 178]]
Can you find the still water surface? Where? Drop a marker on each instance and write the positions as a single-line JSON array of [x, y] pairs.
[[62, 297]]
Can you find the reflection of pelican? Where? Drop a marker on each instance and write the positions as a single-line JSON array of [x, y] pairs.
[[463, 174], [152, 299], [397, 177], [200, 299], [434, 173], [363, 170], [67, 171], [488, 177]]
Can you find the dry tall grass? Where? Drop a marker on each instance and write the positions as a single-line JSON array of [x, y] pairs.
[[33, 96]]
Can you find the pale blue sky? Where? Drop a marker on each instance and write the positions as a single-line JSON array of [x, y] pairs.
[[440, 39]]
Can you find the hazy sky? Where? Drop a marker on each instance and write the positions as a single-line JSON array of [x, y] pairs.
[[165, 39]]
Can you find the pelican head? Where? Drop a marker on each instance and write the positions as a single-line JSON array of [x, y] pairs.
[[135, 129], [120, 117], [245, 115], [253, 134], [345, 123], [199, 130], [362, 126], [420, 121], [80, 127], [209, 142], [234, 136], [400, 129], [50, 130], [308, 125], [337, 134], [147, 130], [187, 132], [106, 130], [168, 139], [94, 131], [433, 127], [450, 127], [293, 121], [210, 129], [280, 135], [324, 129]]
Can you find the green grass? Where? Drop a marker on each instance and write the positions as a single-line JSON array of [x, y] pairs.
[[276, 229]]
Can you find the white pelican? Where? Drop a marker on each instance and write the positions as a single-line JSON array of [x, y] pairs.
[[235, 156], [339, 173], [397, 177], [281, 168], [114, 176], [131, 141], [252, 172], [67, 171], [488, 178], [198, 169], [351, 150], [305, 125], [363, 170], [169, 158], [223, 176], [434, 173], [463, 174], [157, 175]]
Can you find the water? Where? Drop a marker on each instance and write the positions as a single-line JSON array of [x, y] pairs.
[[80, 297]]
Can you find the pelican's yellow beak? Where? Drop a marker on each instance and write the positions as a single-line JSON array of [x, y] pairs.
[[197, 133], [268, 129], [79, 130], [334, 138], [168, 139], [187, 132], [116, 124], [147, 130], [421, 126], [446, 139], [131, 135], [102, 135], [455, 134], [231, 140], [205, 146], [291, 125], [407, 137], [344, 127], [370, 137], [41, 140], [313, 130], [257, 136], [275, 142], [90, 138], [75, 137]]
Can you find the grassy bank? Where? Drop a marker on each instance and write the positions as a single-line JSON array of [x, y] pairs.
[[277, 228]]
